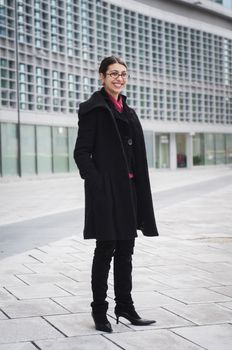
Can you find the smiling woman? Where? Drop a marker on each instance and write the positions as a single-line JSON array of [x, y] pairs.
[[113, 76], [111, 157]]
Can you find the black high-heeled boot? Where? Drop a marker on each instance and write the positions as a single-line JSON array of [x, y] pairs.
[[131, 315], [102, 323]]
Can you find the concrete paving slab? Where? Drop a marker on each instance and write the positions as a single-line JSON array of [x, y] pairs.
[[226, 305], [207, 276], [60, 250], [74, 287], [149, 300], [96, 342], [29, 308], [26, 329], [41, 278], [202, 313], [227, 247], [186, 269], [46, 258], [184, 281], [51, 267], [75, 304], [79, 324], [69, 258], [20, 259], [5, 268], [207, 257], [38, 291], [196, 295], [213, 337], [78, 276], [225, 290], [223, 277], [18, 346], [65, 242], [142, 259], [2, 315], [161, 339], [167, 261], [147, 284], [146, 275], [84, 266], [9, 280], [164, 319], [5, 295], [176, 269], [80, 258]]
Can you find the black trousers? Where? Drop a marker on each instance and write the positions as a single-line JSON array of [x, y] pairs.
[[122, 251]]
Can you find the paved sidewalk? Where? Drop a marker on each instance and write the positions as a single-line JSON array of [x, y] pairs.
[[183, 278], [23, 199]]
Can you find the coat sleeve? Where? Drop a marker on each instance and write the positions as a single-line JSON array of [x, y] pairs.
[[84, 147]]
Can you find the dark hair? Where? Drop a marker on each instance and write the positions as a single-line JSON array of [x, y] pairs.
[[107, 61]]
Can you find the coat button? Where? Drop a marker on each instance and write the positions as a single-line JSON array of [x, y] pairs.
[[129, 142]]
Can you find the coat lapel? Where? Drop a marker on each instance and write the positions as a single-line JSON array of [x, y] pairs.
[[96, 101]]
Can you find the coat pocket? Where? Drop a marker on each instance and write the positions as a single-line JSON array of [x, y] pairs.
[[96, 186]]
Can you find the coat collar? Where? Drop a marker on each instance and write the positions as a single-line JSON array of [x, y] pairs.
[[97, 100]]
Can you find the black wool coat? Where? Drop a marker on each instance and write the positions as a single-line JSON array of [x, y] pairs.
[[99, 154]]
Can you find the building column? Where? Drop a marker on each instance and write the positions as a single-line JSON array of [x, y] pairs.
[[154, 150], [173, 161], [189, 150]]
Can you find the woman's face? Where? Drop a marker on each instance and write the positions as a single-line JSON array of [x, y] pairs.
[[114, 79]]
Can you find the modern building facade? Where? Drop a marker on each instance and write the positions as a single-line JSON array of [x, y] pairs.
[[179, 54]]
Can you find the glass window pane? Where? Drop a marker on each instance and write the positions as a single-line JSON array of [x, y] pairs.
[[162, 151], [9, 149], [60, 149], [72, 134], [220, 149], [209, 149], [198, 149], [28, 149], [44, 149], [229, 148]]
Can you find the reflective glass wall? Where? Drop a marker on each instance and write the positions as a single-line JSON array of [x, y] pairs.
[[162, 150], [44, 149], [49, 149], [28, 155], [220, 149], [212, 149], [8, 137], [60, 149], [198, 149], [229, 149], [209, 149]]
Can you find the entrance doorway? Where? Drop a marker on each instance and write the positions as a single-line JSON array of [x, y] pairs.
[[181, 150]]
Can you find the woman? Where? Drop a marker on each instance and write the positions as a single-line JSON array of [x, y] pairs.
[[111, 157]]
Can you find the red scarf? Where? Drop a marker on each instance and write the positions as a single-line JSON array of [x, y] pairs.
[[117, 103]]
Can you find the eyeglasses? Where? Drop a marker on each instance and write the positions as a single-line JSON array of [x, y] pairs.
[[115, 75]]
